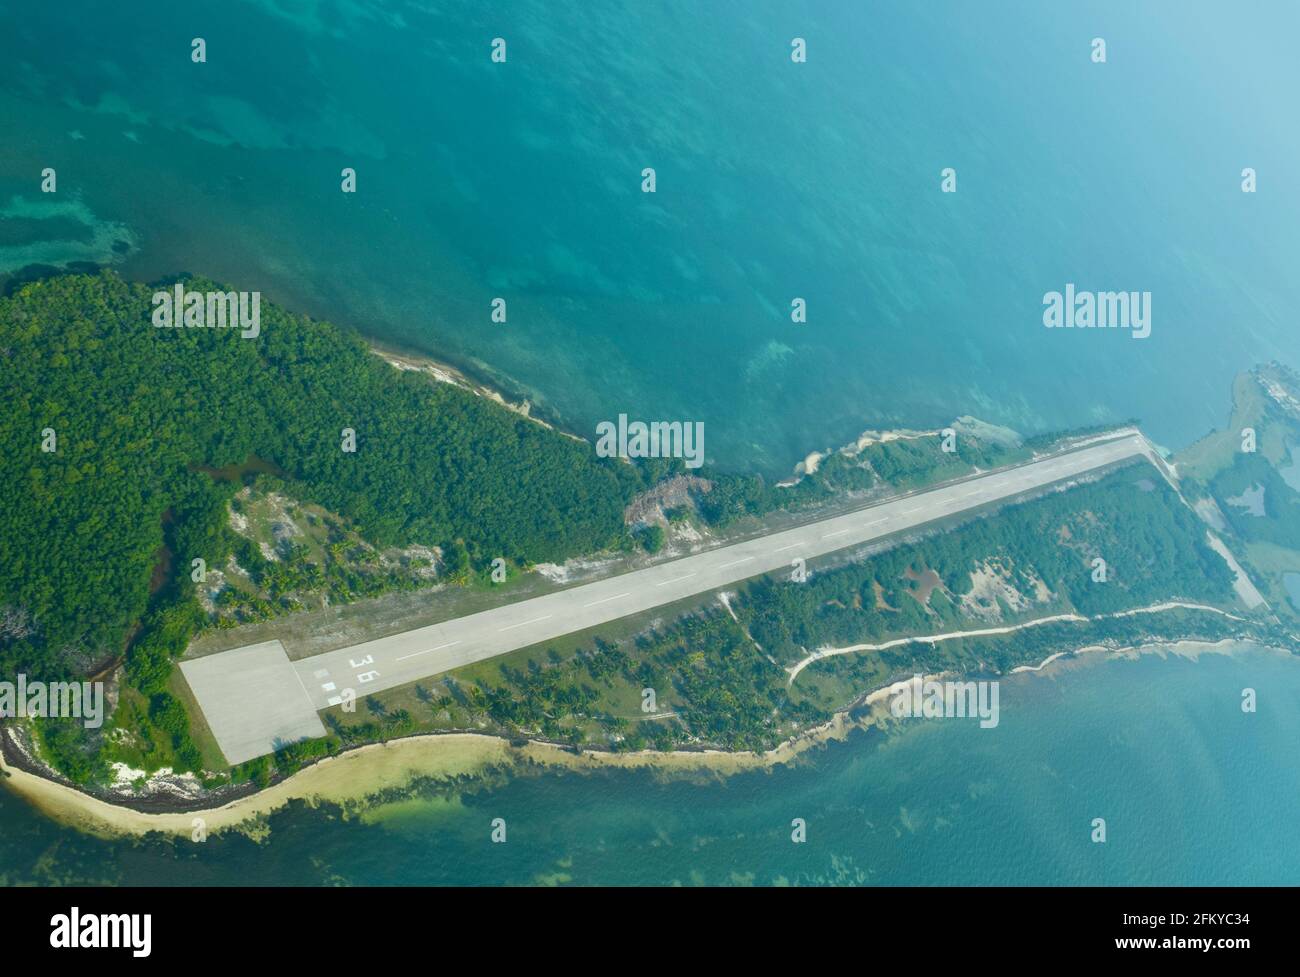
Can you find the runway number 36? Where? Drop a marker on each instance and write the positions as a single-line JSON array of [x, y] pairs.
[[364, 677]]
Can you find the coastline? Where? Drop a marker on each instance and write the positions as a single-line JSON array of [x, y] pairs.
[[347, 777], [446, 373], [357, 774], [351, 778]]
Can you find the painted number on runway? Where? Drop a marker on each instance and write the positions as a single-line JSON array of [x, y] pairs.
[[364, 677]]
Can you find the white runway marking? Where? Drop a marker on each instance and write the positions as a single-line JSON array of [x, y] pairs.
[[735, 563], [521, 624], [267, 710], [427, 651], [604, 600], [674, 580]]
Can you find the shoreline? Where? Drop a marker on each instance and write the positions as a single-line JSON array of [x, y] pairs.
[[443, 372], [934, 639], [351, 778], [392, 765]]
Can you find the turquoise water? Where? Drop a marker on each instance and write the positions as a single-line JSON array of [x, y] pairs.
[[775, 181], [1292, 583], [1193, 790]]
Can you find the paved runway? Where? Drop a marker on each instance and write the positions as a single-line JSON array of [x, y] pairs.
[[400, 659]]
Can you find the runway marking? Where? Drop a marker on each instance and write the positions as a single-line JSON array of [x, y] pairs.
[[604, 600], [908, 512], [302, 685], [426, 651], [735, 563], [991, 487], [674, 580], [521, 624]]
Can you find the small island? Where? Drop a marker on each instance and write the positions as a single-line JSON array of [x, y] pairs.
[[174, 493]]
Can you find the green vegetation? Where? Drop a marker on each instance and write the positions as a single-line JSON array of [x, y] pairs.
[[651, 537], [1033, 559], [137, 409], [1252, 490], [723, 682], [1252, 476], [837, 681], [97, 537], [901, 464], [315, 560], [163, 433]]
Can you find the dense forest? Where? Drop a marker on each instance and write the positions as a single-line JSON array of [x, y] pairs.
[[121, 440], [110, 425]]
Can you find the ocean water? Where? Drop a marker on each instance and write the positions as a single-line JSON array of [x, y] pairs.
[[775, 180], [1192, 789]]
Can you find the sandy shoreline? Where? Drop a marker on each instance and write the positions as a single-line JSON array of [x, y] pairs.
[[445, 373], [935, 639], [378, 767], [358, 774]]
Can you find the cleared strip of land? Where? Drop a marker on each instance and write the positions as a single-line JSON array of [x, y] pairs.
[[222, 682]]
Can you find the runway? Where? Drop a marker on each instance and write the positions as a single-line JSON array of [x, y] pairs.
[[239, 717]]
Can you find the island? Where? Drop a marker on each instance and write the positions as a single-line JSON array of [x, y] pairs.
[[177, 495]]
